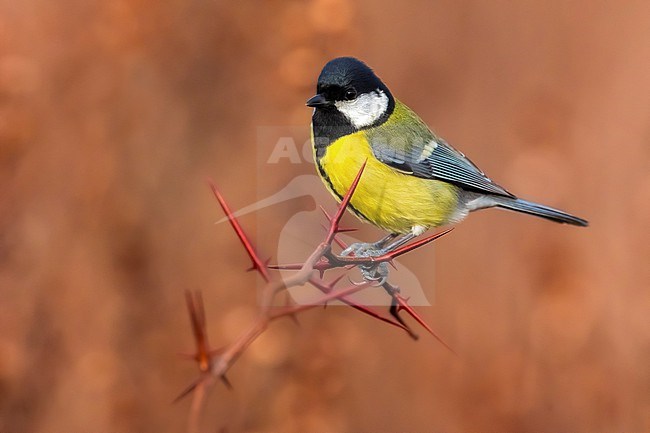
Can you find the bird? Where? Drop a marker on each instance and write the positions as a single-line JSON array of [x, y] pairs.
[[413, 179]]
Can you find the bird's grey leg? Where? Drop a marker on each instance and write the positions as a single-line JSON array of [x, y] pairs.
[[408, 237], [414, 233], [362, 249], [383, 241], [398, 243]]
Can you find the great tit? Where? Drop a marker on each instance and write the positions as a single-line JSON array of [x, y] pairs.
[[413, 180]]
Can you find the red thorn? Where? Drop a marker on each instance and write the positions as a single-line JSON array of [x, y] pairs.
[[334, 294], [412, 246], [290, 267], [341, 293], [197, 319], [320, 266], [327, 215], [406, 300], [335, 281], [340, 243], [339, 229], [403, 305], [226, 382], [191, 387], [327, 288], [343, 205], [243, 238]]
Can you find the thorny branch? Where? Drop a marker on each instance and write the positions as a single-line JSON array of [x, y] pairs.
[[214, 364]]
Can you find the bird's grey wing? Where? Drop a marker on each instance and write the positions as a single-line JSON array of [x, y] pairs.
[[434, 158]]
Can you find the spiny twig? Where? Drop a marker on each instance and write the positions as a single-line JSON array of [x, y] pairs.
[[214, 364]]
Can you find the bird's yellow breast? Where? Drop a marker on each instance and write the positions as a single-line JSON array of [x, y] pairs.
[[388, 198]]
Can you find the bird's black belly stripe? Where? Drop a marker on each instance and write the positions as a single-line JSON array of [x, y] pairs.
[[331, 187]]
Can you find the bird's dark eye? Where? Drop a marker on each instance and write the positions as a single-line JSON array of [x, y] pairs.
[[350, 94]]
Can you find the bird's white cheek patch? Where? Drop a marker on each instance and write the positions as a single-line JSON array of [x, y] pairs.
[[366, 109]]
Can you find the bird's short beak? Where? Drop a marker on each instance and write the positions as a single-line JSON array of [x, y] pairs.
[[318, 101]]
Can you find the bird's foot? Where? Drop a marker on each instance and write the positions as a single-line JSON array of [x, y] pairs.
[[376, 272]]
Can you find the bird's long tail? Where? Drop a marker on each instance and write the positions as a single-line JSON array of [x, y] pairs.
[[539, 210]]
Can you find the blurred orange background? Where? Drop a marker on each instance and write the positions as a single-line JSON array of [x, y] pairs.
[[112, 114]]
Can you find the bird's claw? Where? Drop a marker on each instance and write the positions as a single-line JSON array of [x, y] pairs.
[[377, 273], [374, 272]]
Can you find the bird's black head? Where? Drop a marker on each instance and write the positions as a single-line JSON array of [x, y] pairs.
[[344, 78], [349, 92]]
